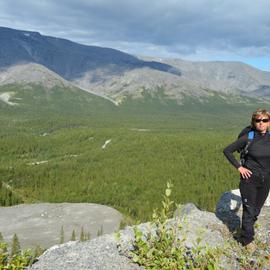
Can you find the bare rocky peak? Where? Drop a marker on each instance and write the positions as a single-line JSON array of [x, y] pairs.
[[195, 79], [32, 73], [230, 77], [134, 82]]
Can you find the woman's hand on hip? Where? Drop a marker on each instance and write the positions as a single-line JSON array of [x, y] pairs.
[[245, 173]]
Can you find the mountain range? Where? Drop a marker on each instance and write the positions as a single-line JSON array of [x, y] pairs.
[[29, 57]]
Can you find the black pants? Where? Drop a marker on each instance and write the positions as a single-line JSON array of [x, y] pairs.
[[254, 192]]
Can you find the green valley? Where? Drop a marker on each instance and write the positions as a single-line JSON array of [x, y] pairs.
[[66, 145]]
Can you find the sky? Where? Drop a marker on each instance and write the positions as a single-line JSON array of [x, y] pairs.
[[197, 30]]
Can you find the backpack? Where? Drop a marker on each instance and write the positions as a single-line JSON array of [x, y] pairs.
[[245, 131], [244, 151]]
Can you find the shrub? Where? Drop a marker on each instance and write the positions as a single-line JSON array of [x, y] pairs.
[[13, 258], [18, 261], [164, 249]]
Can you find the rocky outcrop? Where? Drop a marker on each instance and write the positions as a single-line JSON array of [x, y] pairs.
[[100, 253], [110, 252]]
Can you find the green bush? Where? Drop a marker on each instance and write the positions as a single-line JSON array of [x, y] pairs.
[[164, 250], [19, 260]]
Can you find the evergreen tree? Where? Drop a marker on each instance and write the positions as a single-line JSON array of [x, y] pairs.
[[82, 235], [1, 237], [62, 235], [100, 231], [88, 236], [73, 236], [38, 251], [15, 248]]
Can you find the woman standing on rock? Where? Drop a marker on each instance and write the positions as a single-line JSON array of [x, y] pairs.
[[254, 172]]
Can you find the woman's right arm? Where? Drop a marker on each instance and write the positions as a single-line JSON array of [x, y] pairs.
[[236, 146]]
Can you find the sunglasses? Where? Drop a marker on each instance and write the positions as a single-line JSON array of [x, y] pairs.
[[265, 120]]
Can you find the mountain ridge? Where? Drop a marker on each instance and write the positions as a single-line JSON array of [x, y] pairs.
[[116, 75], [67, 58]]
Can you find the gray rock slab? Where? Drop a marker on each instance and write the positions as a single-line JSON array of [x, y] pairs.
[[40, 224], [98, 254], [201, 225], [193, 226]]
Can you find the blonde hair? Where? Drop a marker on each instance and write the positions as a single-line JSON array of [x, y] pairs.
[[259, 112]]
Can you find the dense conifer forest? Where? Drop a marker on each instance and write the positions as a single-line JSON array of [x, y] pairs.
[[118, 156]]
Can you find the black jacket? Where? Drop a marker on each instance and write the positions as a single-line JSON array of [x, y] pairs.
[[258, 156]]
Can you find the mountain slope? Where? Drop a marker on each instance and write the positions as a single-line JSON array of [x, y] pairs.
[[234, 78], [32, 73], [32, 91], [231, 77], [68, 59], [120, 76]]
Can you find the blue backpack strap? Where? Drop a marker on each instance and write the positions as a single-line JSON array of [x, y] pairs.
[[244, 151], [251, 135]]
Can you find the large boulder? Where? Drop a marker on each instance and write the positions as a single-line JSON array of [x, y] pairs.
[[195, 225], [98, 254], [41, 223], [201, 225], [229, 210]]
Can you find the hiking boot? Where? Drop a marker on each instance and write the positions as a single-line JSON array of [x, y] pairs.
[[251, 247]]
